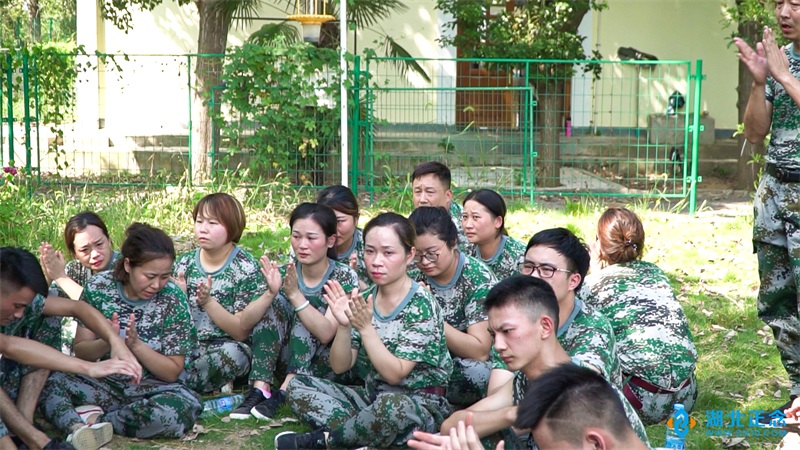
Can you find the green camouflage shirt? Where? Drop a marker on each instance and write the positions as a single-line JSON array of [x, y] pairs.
[[80, 273], [653, 337], [237, 283], [358, 247], [414, 332], [455, 214], [340, 272], [587, 336], [505, 262], [521, 385], [163, 322], [462, 298], [784, 145]]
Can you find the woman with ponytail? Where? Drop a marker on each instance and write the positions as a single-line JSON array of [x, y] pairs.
[[654, 343]]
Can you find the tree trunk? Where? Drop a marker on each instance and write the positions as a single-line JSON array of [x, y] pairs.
[[549, 95], [36, 23], [745, 171], [212, 40]]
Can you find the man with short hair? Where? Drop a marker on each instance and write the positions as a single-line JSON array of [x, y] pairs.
[[430, 186], [23, 313], [573, 407], [559, 257], [523, 318]]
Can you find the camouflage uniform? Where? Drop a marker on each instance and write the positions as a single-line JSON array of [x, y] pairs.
[[775, 229], [455, 214], [79, 274], [653, 337], [304, 353], [587, 336], [234, 285], [380, 414], [358, 247], [32, 325], [505, 262], [461, 301], [151, 408], [521, 385]]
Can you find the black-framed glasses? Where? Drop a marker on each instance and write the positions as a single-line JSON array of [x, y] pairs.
[[431, 256], [545, 270]]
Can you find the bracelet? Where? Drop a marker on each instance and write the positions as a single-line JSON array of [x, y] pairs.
[[302, 307]]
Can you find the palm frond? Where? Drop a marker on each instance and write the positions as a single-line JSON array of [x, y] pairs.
[[242, 9], [366, 13], [269, 33], [404, 61]]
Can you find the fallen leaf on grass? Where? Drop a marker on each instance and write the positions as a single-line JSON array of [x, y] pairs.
[[196, 431], [763, 355], [716, 327], [730, 335], [777, 394], [225, 419], [707, 312], [290, 420], [735, 395], [761, 333]]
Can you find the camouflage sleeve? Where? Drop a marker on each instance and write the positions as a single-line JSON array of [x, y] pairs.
[[421, 325], [592, 342], [182, 263], [346, 276], [497, 362], [250, 283], [473, 309], [179, 336]]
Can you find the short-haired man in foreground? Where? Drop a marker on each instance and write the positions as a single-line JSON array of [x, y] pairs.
[[567, 407], [523, 318], [23, 308], [574, 407]]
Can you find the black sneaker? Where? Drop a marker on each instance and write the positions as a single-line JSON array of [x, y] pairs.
[[267, 409], [766, 419], [254, 397], [55, 444], [289, 440]]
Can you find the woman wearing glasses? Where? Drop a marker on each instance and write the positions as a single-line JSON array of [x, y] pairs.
[[655, 345], [459, 283], [484, 220]]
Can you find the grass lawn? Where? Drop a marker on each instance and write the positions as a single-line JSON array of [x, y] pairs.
[[708, 258]]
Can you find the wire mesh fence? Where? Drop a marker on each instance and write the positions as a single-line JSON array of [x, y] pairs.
[[522, 127]]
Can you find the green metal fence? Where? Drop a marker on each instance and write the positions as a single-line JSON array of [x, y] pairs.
[[524, 128], [529, 127]]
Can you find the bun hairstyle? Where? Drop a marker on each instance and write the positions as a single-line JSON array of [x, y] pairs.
[[143, 243], [621, 236], [321, 215], [493, 203]]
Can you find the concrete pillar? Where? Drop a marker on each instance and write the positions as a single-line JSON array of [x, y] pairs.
[[87, 88]]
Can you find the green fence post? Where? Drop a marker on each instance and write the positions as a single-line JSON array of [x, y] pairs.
[[696, 130], [10, 118], [26, 111], [189, 141], [355, 125]]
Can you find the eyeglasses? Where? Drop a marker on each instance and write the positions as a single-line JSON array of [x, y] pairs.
[[545, 271], [431, 256]]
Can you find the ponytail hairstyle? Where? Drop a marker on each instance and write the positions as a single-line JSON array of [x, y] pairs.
[[321, 215], [621, 236], [143, 243]]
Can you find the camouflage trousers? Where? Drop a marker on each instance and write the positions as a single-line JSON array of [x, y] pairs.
[[9, 384], [220, 361], [266, 343], [776, 239], [656, 408], [365, 416], [149, 409], [468, 382]]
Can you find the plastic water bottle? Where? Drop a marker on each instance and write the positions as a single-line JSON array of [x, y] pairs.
[[221, 405], [674, 440]]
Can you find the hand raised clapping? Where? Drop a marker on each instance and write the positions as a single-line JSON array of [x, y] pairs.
[[338, 301], [271, 273]]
